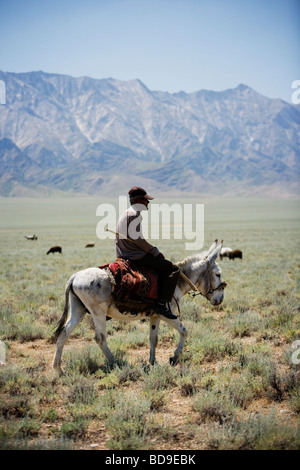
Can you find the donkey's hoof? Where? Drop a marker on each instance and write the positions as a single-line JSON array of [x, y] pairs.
[[173, 360]]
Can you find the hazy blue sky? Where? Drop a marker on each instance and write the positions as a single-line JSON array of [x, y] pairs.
[[170, 45]]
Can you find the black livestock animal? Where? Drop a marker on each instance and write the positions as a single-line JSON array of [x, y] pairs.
[[55, 249], [235, 254], [225, 252], [90, 245]]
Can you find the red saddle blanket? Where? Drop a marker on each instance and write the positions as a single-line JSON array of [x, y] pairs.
[[133, 281]]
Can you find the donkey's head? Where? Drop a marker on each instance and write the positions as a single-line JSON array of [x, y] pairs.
[[209, 282]]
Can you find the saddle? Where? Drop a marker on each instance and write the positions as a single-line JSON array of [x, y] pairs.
[[136, 287]]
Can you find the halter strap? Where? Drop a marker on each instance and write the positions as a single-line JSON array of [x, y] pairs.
[[222, 285]]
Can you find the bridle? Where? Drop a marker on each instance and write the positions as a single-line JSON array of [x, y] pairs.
[[222, 285]]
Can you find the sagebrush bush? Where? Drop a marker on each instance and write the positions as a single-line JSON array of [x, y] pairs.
[[161, 377], [127, 422], [212, 405], [258, 432], [245, 323], [211, 345], [82, 390], [85, 361]]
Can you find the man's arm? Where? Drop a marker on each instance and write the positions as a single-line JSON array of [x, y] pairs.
[[135, 234]]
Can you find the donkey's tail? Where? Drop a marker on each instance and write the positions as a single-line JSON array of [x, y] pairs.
[[59, 326]]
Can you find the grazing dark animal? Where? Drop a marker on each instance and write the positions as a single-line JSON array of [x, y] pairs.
[[31, 237], [55, 249], [90, 245], [235, 254], [225, 252]]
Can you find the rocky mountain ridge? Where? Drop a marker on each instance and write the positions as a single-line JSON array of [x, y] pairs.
[[61, 134]]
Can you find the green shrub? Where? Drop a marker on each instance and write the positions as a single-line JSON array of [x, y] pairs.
[[211, 405], [157, 399], [258, 364], [212, 346], [127, 423], [23, 331], [258, 432], [84, 361], [128, 373], [242, 390], [295, 401], [245, 323], [74, 428], [27, 443], [81, 391], [15, 406], [161, 377], [29, 427]]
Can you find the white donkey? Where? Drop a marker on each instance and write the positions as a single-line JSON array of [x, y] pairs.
[[90, 290]]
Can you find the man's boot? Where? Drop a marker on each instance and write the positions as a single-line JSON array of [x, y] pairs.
[[162, 309]]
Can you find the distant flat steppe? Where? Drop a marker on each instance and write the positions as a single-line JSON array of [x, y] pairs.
[[237, 385]]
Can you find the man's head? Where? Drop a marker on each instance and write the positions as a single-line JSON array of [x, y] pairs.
[[138, 195]]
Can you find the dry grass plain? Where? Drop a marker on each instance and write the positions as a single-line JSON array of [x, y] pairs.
[[238, 383]]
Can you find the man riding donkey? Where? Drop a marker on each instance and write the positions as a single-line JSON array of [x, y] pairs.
[[131, 245]]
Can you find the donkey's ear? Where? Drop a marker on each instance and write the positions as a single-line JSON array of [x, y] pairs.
[[213, 246], [212, 257]]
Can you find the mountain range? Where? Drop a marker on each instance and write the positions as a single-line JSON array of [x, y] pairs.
[[66, 135]]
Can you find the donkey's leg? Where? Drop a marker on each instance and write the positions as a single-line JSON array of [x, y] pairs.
[[100, 335], [77, 312], [153, 337], [176, 323]]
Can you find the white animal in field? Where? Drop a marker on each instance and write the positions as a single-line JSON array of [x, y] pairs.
[[31, 237], [225, 252], [90, 290]]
